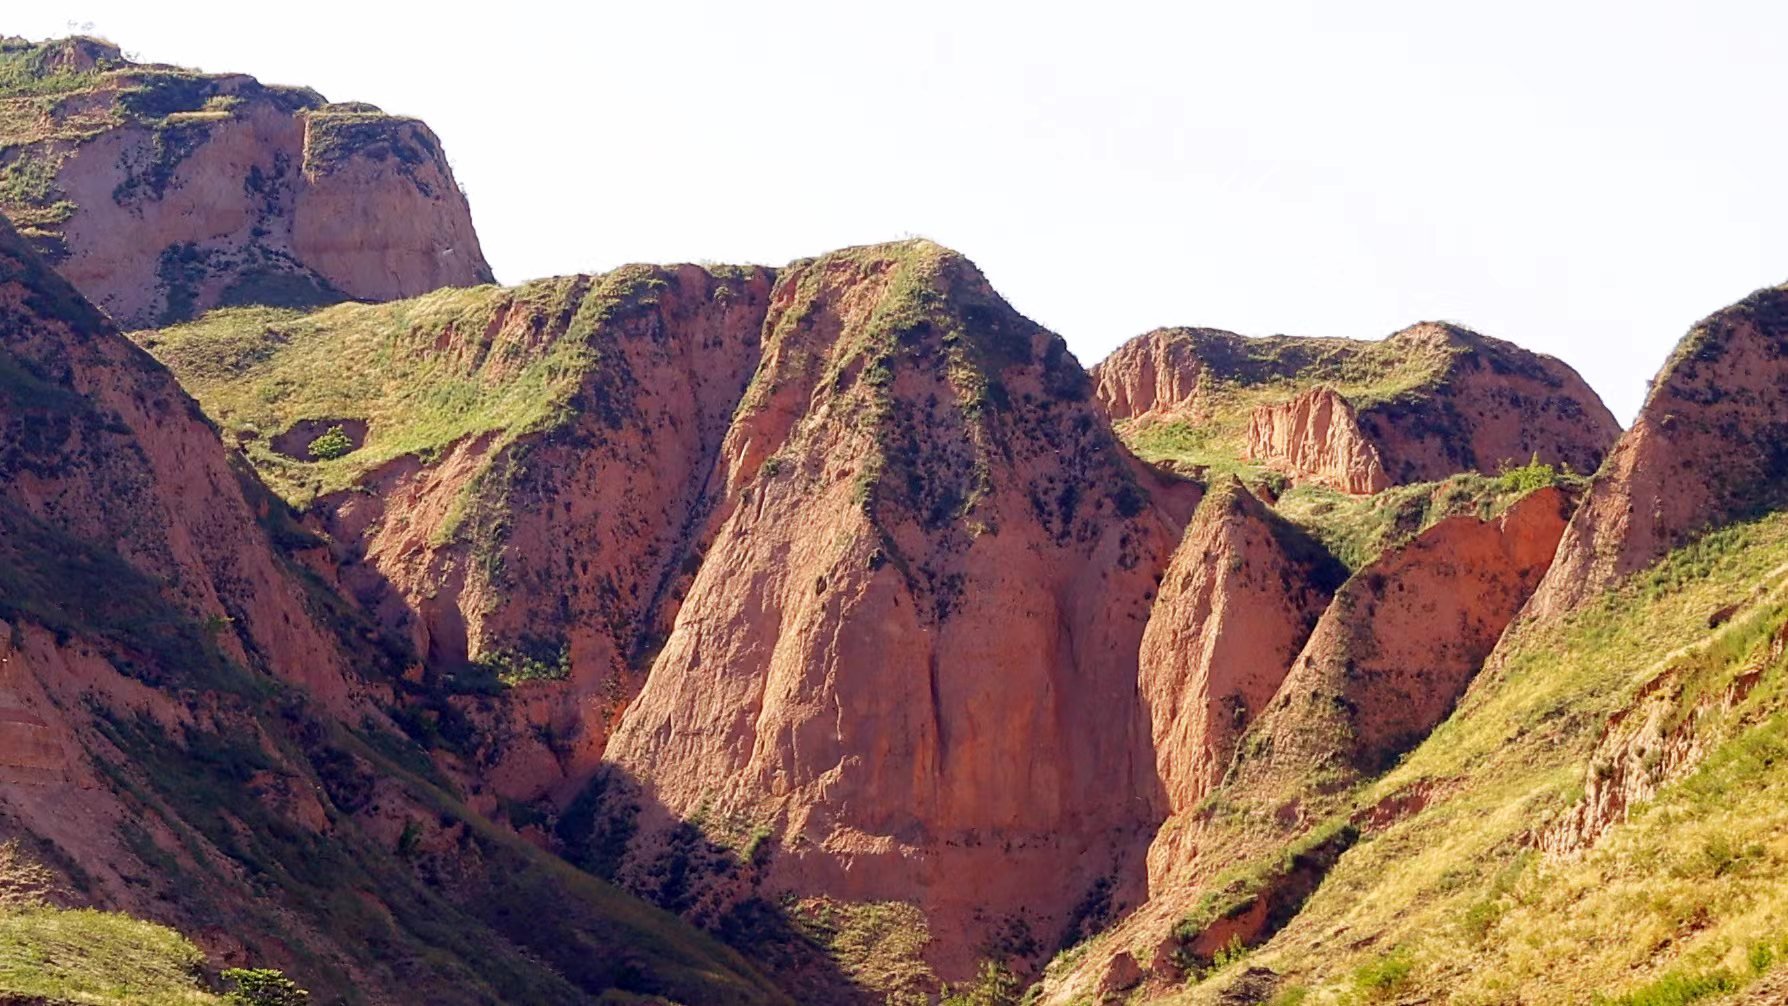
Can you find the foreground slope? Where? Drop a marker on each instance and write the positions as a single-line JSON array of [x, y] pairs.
[[159, 191], [194, 728], [1429, 401]]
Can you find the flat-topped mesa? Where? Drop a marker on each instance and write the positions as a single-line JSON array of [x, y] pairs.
[[1430, 401], [1709, 446], [161, 192], [909, 654]]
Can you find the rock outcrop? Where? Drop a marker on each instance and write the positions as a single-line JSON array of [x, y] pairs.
[[1709, 446], [910, 650], [1316, 437], [1427, 402], [1238, 601], [160, 192]]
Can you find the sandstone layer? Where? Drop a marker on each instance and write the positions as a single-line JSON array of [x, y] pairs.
[[160, 192], [1399, 644], [1316, 437], [1237, 603]]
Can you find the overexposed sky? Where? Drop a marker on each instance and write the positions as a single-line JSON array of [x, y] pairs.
[[1584, 178]]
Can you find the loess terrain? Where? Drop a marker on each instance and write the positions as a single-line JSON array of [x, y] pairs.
[[826, 633]]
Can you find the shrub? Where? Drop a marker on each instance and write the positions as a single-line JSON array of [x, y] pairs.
[[1528, 477], [1674, 988], [263, 987], [1379, 979], [994, 985], [331, 445]]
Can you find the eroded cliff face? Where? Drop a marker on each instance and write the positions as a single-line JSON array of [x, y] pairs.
[[555, 557], [1391, 654], [161, 192], [1316, 437], [1236, 605], [910, 651], [1708, 447], [102, 446]]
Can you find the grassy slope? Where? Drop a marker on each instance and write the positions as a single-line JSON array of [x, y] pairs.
[[258, 371], [100, 958], [1357, 529], [1687, 898], [1250, 372]]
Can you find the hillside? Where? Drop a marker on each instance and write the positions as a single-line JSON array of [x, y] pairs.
[[1597, 820], [1425, 403], [160, 192], [195, 728]]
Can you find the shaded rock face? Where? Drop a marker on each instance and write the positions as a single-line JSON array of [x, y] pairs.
[[165, 192], [573, 542], [101, 446], [1316, 437], [910, 650], [1709, 446], [1495, 404], [1429, 401], [1399, 644]]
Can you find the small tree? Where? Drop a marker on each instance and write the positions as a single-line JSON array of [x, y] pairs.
[[263, 987], [331, 445]]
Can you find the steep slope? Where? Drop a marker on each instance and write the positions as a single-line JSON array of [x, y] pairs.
[[1427, 402], [1708, 446], [1601, 817], [1392, 652], [1237, 604], [185, 735], [160, 192], [520, 475], [909, 655]]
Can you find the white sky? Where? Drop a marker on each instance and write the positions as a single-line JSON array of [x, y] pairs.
[[1584, 178]]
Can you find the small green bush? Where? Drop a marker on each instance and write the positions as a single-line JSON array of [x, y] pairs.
[[331, 445], [263, 987], [1378, 980], [1674, 988], [1528, 477]]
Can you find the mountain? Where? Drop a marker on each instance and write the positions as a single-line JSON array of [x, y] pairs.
[[160, 192]]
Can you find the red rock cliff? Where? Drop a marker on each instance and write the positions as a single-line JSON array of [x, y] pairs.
[[166, 192], [911, 647], [1316, 437]]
